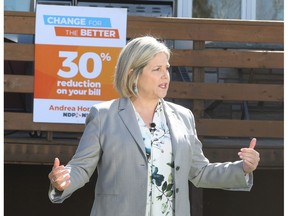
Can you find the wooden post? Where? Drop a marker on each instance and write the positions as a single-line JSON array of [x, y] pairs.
[[196, 194], [198, 76], [49, 135]]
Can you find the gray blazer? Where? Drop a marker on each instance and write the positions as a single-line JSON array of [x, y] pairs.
[[112, 142]]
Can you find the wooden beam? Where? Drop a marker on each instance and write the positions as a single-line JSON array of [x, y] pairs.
[[227, 58], [226, 91], [205, 127], [19, 22], [182, 90], [41, 151], [206, 29], [27, 153], [271, 157], [24, 122], [175, 28], [18, 83], [240, 128], [189, 58], [18, 52]]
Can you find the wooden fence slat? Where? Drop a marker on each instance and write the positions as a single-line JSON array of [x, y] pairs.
[[228, 58], [11, 122], [190, 58], [184, 29], [205, 127], [19, 22], [25, 152], [182, 90], [247, 128], [18, 52], [28, 151], [18, 83], [218, 91], [271, 157], [206, 29]]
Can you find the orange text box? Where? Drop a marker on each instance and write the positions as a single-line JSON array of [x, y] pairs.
[[48, 84], [87, 32]]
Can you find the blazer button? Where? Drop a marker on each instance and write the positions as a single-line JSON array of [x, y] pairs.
[[177, 168]]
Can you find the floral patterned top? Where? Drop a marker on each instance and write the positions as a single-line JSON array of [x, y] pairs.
[[160, 193]]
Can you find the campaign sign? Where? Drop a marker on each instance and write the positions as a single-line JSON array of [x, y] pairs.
[[76, 50]]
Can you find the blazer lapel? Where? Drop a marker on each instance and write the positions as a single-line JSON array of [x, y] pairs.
[[172, 123], [126, 113]]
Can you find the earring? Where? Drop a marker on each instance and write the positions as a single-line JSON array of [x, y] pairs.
[[135, 89]]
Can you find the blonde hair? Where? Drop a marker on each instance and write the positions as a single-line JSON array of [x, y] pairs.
[[132, 59]]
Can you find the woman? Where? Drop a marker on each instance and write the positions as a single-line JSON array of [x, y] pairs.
[[145, 149]]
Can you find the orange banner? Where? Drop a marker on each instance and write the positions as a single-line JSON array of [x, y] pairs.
[[74, 72], [87, 32]]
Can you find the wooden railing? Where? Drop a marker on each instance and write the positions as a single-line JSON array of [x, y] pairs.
[[197, 31]]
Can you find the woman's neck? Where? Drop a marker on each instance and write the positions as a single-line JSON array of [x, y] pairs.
[[145, 108]]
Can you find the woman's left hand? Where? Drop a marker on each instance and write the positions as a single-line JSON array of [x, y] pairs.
[[250, 157]]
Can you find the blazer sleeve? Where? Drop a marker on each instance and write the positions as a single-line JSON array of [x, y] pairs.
[[227, 175], [83, 163]]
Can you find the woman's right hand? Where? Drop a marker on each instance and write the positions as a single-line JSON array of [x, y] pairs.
[[59, 176]]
